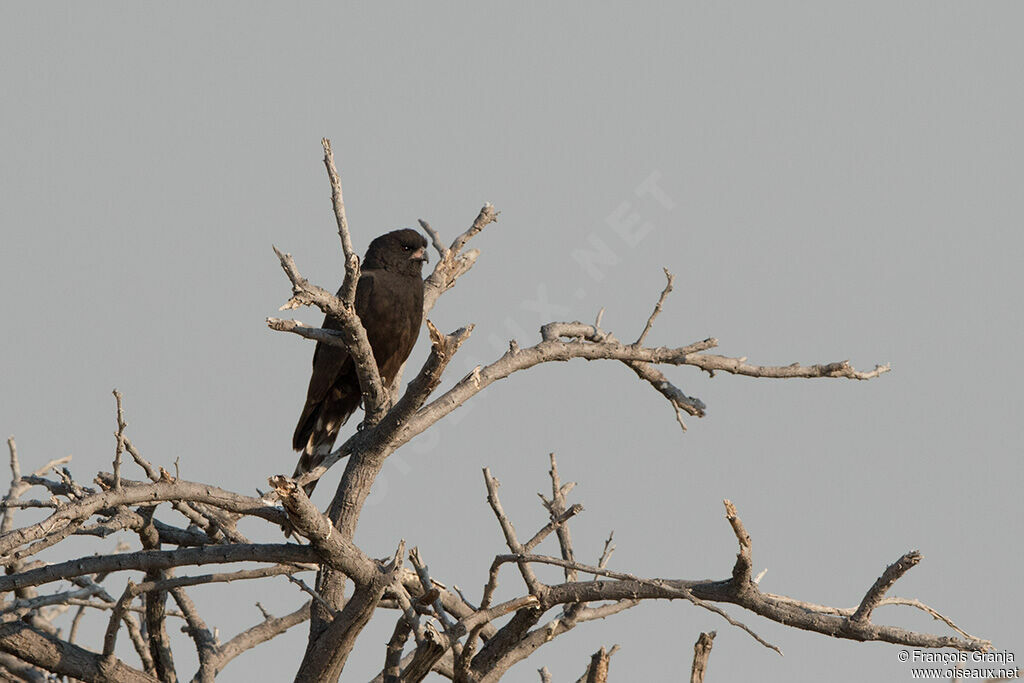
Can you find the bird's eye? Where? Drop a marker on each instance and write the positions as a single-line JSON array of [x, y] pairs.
[[406, 247]]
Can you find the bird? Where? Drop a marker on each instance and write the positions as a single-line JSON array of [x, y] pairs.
[[389, 303]]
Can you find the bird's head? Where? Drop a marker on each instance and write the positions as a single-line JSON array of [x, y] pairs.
[[399, 251]]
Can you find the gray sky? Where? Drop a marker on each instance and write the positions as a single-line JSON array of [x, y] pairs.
[[843, 181]]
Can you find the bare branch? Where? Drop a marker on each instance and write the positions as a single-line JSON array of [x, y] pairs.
[[673, 589], [53, 654], [267, 629], [202, 636], [486, 216], [409, 612], [554, 524], [549, 350], [454, 263], [739, 366], [119, 435], [428, 652], [556, 507], [435, 239], [483, 616], [597, 671], [603, 611], [21, 484], [877, 591], [330, 650], [741, 570], [338, 201], [442, 667], [917, 604], [312, 593], [16, 670], [318, 334], [428, 588], [535, 586], [68, 518], [556, 627], [143, 560], [606, 554], [216, 527], [114, 623], [15, 489], [681, 403], [657, 307], [227, 577], [131, 624], [155, 603], [701, 652], [393, 656], [315, 526], [27, 604], [793, 613]]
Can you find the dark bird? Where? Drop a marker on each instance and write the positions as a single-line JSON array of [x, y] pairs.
[[389, 302]]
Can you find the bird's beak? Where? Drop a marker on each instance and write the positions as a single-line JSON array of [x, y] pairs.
[[420, 255]]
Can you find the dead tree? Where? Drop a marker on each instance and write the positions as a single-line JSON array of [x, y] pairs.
[[437, 629]]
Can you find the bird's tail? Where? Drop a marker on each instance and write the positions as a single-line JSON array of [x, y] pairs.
[[307, 462], [321, 431], [313, 454], [318, 429]]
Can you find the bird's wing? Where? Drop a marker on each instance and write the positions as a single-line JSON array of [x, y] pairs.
[[392, 321], [331, 364], [329, 360]]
